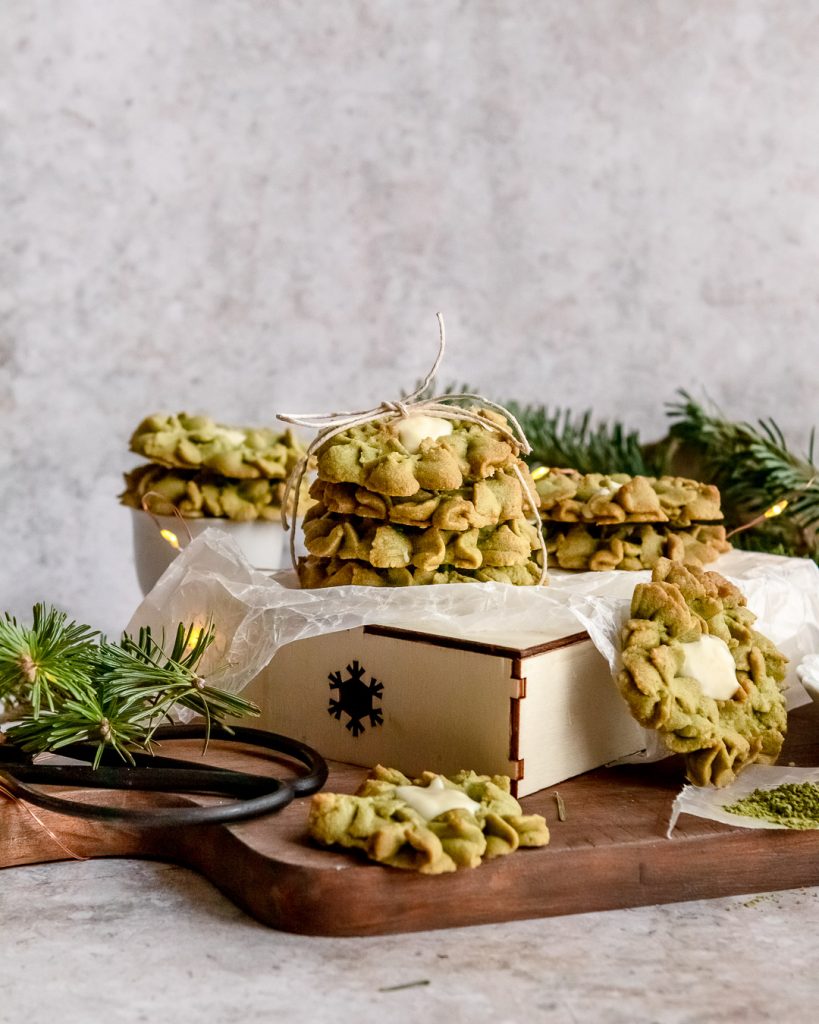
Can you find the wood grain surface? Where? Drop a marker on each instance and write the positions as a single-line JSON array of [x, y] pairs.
[[611, 852]]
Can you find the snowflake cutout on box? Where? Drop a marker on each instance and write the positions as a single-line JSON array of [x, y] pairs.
[[355, 698]]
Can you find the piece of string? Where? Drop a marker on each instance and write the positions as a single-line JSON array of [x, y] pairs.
[[21, 803], [774, 510], [331, 424], [146, 508]]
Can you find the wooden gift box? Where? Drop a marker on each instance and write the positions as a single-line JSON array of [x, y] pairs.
[[539, 712]]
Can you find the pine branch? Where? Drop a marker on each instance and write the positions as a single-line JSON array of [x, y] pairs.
[[754, 469], [114, 695], [47, 661], [562, 438]]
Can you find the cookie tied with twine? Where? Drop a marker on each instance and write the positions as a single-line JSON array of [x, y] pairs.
[[408, 461]]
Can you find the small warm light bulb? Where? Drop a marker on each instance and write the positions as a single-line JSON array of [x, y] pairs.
[[170, 537], [193, 638], [775, 510], [540, 472]]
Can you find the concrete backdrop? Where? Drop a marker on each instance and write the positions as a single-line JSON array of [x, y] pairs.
[[246, 206]]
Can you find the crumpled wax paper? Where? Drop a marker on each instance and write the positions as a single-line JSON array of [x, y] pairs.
[[255, 614], [710, 803]]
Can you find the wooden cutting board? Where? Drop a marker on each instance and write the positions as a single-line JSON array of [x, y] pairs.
[[611, 852]]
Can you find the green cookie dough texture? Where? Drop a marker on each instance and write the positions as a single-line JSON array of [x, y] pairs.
[[577, 546], [717, 737], [372, 456], [198, 495], [567, 496], [391, 832], [483, 503], [386, 546], [315, 572], [196, 442]]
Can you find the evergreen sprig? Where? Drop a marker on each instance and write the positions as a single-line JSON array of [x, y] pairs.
[[46, 662], [561, 438], [754, 469], [113, 695], [751, 464]]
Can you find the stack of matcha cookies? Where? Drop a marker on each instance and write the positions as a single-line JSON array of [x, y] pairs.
[[599, 522], [206, 469], [420, 499]]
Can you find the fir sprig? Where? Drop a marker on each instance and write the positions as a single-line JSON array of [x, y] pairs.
[[100, 721], [46, 662], [565, 439], [754, 469], [561, 438], [113, 695]]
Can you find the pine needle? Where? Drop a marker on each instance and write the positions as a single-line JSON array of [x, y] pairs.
[[114, 695], [564, 439], [755, 470], [47, 661]]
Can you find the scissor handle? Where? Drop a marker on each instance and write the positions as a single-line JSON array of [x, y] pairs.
[[264, 794], [216, 782]]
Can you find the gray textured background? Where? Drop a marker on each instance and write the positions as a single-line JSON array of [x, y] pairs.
[[242, 207]]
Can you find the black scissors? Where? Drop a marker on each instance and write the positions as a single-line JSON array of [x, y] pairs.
[[253, 794]]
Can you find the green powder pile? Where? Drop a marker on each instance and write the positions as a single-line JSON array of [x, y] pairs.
[[791, 805]]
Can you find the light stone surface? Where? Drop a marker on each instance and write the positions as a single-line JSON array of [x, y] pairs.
[[129, 940], [246, 207]]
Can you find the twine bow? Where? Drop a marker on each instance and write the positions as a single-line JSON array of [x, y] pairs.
[[331, 424]]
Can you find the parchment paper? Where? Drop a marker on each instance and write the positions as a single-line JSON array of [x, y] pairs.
[[710, 803], [255, 614]]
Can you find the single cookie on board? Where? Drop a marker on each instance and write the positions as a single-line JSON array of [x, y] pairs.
[[380, 821], [182, 441], [718, 736], [634, 546], [608, 499]]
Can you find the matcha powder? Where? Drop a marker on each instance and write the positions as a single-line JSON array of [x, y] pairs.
[[791, 805]]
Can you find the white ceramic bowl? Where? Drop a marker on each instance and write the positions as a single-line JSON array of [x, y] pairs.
[[263, 543]]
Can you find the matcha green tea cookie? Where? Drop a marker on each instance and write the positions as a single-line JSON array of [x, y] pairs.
[[567, 496], [696, 670], [633, 546], [316, 572], [389, 458], [386, 546], [181, 441], [198, 495], [483, 503], [432, 825]]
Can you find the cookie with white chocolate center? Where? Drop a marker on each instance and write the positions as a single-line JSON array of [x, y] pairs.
[[432, 824], [381, 456], [696, 670]]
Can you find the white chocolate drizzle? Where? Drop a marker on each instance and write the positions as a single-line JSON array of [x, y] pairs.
[[434, 799], [229, 434], [709, 661], [608, 487], [413, 429]]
